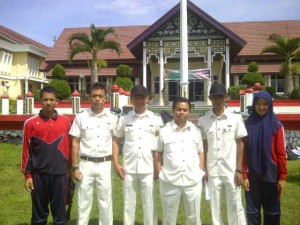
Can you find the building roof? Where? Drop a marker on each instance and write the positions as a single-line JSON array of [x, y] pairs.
[[59, 52], [136, 45], [16, 38], [256, 33]]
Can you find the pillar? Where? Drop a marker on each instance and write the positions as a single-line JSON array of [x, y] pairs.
[[144, 64], [20, 105], [75, 102], [184, 77], [29, 103], [114, 96], [5, 104], [227, 65]]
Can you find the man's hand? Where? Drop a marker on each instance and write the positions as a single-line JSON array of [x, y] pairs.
[[238, 178], [77, 175], [120, 171], [281, 185], [246, 185], [29, 185]]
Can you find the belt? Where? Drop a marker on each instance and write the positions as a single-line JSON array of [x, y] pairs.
[[97, 159]]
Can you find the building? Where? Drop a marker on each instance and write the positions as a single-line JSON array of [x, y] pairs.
[[224, 49], [20, 60]]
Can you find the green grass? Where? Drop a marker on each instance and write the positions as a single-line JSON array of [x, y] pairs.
[[16, 203]]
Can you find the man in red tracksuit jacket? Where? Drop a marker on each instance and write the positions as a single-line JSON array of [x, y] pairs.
[[45, 160]]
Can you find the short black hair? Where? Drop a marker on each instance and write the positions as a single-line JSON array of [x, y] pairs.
[[98, 86], [181, 99], [48, 89]]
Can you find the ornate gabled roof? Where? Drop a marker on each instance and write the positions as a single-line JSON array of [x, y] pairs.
[[237, 43]]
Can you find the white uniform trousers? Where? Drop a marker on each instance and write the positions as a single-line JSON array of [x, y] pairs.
[[147, 187], [98, 175], [235, 210], [170, 198]]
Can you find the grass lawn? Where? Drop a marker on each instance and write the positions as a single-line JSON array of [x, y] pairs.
[[16, 203]]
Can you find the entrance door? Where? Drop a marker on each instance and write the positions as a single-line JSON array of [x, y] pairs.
[[196, 90]]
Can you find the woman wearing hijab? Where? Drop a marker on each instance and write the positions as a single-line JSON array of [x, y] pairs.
[[264, 168]]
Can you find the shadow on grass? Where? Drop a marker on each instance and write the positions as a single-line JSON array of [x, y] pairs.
[[293, 178]]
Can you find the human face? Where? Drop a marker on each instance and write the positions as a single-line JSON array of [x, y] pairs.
[[49, 102], [97, 100], [181, 113], [261, 106], [218, 101], [139, 103]]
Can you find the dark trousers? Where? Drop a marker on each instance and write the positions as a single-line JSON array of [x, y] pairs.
[[265, 195], [49, 189]]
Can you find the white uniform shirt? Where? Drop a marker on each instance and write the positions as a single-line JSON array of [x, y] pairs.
[[180, 152], [95, 132], [221, 134], [140, 133]]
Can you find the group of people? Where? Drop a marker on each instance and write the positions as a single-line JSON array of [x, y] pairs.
[[222, 151]]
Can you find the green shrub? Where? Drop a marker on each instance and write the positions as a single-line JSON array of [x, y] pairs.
[[62, 87], [295, 93], [234, 91], [59, 72], [252, 76], [271, 90], [37, 95], [253, 67], [124, 82], [123, 71]]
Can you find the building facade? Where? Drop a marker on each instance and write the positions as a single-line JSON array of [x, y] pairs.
[[20, 61], [224, 49]]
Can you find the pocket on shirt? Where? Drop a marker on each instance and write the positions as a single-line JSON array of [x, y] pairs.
[[228, 134], [88, 131]]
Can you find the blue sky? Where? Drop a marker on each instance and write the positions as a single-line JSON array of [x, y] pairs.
[[41, 20]]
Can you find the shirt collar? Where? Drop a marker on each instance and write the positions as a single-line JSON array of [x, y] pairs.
[[146, 113], [91, 113], [46, 118], [175, 126], [224, 115]]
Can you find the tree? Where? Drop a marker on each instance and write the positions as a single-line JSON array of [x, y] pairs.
[[93, 43], [253, 76], [289, 50], [59, 72], [123, 77]]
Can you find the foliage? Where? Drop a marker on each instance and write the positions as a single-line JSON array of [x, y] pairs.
[[295, 93], [62, 87], [234, 91], [125, 83], [37, 95], [288, 49], [124, 71], [59, 72], [253, 67], [272, 91], [93, 43], [253, 76]]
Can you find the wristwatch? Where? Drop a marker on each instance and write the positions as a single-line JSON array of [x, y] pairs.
[[73, 168], [239, 171]]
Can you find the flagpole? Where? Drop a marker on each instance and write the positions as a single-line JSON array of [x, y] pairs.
[[184, 82]]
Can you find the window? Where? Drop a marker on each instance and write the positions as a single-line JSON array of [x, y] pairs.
[[5, 62], [278, 83], [33, 66], [156, 85]]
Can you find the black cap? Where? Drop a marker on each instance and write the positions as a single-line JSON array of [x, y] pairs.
[[139, 90], [217, 89]]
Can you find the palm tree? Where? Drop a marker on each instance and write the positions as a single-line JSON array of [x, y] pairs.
[[93, 43], [289, 50]]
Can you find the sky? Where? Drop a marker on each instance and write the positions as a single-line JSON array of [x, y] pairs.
[[42, 20]]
